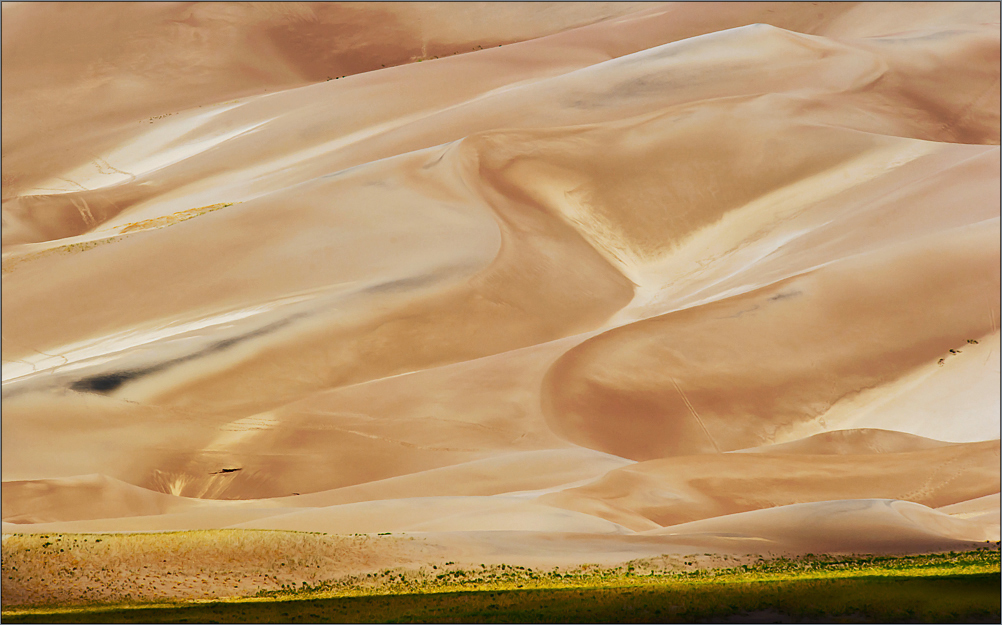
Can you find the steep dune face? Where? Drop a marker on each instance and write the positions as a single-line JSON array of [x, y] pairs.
[[547, 282]]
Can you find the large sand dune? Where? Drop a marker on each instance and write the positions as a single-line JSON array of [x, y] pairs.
[[551, 283]]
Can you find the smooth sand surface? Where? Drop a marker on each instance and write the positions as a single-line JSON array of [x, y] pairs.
[[973, 507], [688, 488], [534, 282], [859, 526]]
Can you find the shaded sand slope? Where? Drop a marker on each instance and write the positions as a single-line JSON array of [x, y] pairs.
[[601, 281], [528, 471], [544, 283], [442, 514], [351, 435], [678, 490], [861, 526], [859, 441], [91, 496]]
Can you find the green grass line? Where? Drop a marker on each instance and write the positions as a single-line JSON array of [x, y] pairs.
[[954, 587], [957, 598]]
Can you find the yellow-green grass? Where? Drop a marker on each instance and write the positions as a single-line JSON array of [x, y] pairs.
[[65, 569], [955, 587]]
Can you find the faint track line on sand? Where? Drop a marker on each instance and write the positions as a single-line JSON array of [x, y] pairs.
[[693, 412]]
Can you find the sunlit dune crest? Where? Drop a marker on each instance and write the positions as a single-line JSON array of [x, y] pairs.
[[543, 283]]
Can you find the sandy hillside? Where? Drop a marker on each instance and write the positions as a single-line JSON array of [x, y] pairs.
[[542, 283]]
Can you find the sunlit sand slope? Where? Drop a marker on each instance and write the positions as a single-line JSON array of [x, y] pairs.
[[533, 282]]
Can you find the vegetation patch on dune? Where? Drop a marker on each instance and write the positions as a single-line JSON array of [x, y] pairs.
[[12, 263], [953, 587], [173, 218]]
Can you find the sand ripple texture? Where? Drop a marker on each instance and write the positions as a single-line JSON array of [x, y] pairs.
[[536, 283]]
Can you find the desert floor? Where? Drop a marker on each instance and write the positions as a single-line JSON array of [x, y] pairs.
[[528, 284]]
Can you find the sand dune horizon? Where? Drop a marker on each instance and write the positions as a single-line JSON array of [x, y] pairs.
[[533, 282]]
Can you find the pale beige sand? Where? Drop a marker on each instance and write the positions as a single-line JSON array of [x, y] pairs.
[[89, 496], [973, 507], [860, 526], [541, 283], [688, 488], [98, 497], [439, 514], [851, 442]]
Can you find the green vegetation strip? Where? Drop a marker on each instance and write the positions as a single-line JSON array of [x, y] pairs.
[[955, 587]]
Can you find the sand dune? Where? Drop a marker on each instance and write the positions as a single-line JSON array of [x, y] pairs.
[[511, 87], [678, 490], [529, 472], [860, 526], [729, 374], [217, 52], [973, 507], [851, 442], [438, 514], [533, 282], [89, 497]]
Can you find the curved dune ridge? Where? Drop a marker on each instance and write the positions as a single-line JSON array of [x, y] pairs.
[[541, 283]]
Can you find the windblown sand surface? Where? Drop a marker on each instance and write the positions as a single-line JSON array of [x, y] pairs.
[[537, 284]]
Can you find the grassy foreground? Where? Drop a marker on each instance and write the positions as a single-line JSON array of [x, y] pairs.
[[955, 587]]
